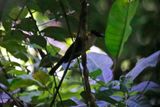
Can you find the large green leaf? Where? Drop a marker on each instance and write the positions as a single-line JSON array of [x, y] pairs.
[[23, 81], [15, 35], [27, 24], [56, 33], [42, 77], [52, 50], [118, 28], [15, 48], [38, 40]]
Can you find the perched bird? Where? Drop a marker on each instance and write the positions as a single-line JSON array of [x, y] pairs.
[[79, 47]]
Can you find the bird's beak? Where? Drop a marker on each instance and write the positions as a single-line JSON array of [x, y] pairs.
[[98, 34]]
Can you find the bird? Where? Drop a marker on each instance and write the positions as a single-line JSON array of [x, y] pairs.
[[78, 47]]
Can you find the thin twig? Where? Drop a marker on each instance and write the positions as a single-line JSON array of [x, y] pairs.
[[58, 91], [61, 81]]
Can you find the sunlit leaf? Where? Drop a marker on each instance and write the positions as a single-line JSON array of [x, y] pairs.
[[41, 77], [16, 49], [96, 73], [16, 72], [22, 81], [150, 61], [147, 86], [100, 61], [52, 50], [118, 28]]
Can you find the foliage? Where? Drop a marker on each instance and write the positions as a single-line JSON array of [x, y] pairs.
[[35, 33], [119, 29]]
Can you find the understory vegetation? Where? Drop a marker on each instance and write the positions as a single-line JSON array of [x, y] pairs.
[[121, 69]]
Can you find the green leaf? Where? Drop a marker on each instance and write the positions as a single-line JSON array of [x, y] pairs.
[[12, 9], [52, 50], [118, 93], [47, 61], [21, 83], [9, 64], [56, 33], [38, 40], [28, 96], [16, 72], [118, 28], [95, 73], [67, 103], [3, 79], [42, 77], [105, 95], [15, 49], [27, 24], [15, 35]]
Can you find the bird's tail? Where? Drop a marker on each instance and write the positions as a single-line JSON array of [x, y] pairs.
[[53, 70]]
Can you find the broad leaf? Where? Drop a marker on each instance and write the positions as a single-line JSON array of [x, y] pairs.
[[16, 49], [47, 61], [105, 96], [143, 63], [41, 76], [138, 101], [52, 50], [38, 40], [23, 81], [118, 28], [147, 86], [96, 73], [16, 72], [55, 32], [27, 24], [15, 35], [27, 96], [11, 11], [100, 61], [67, 103]]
